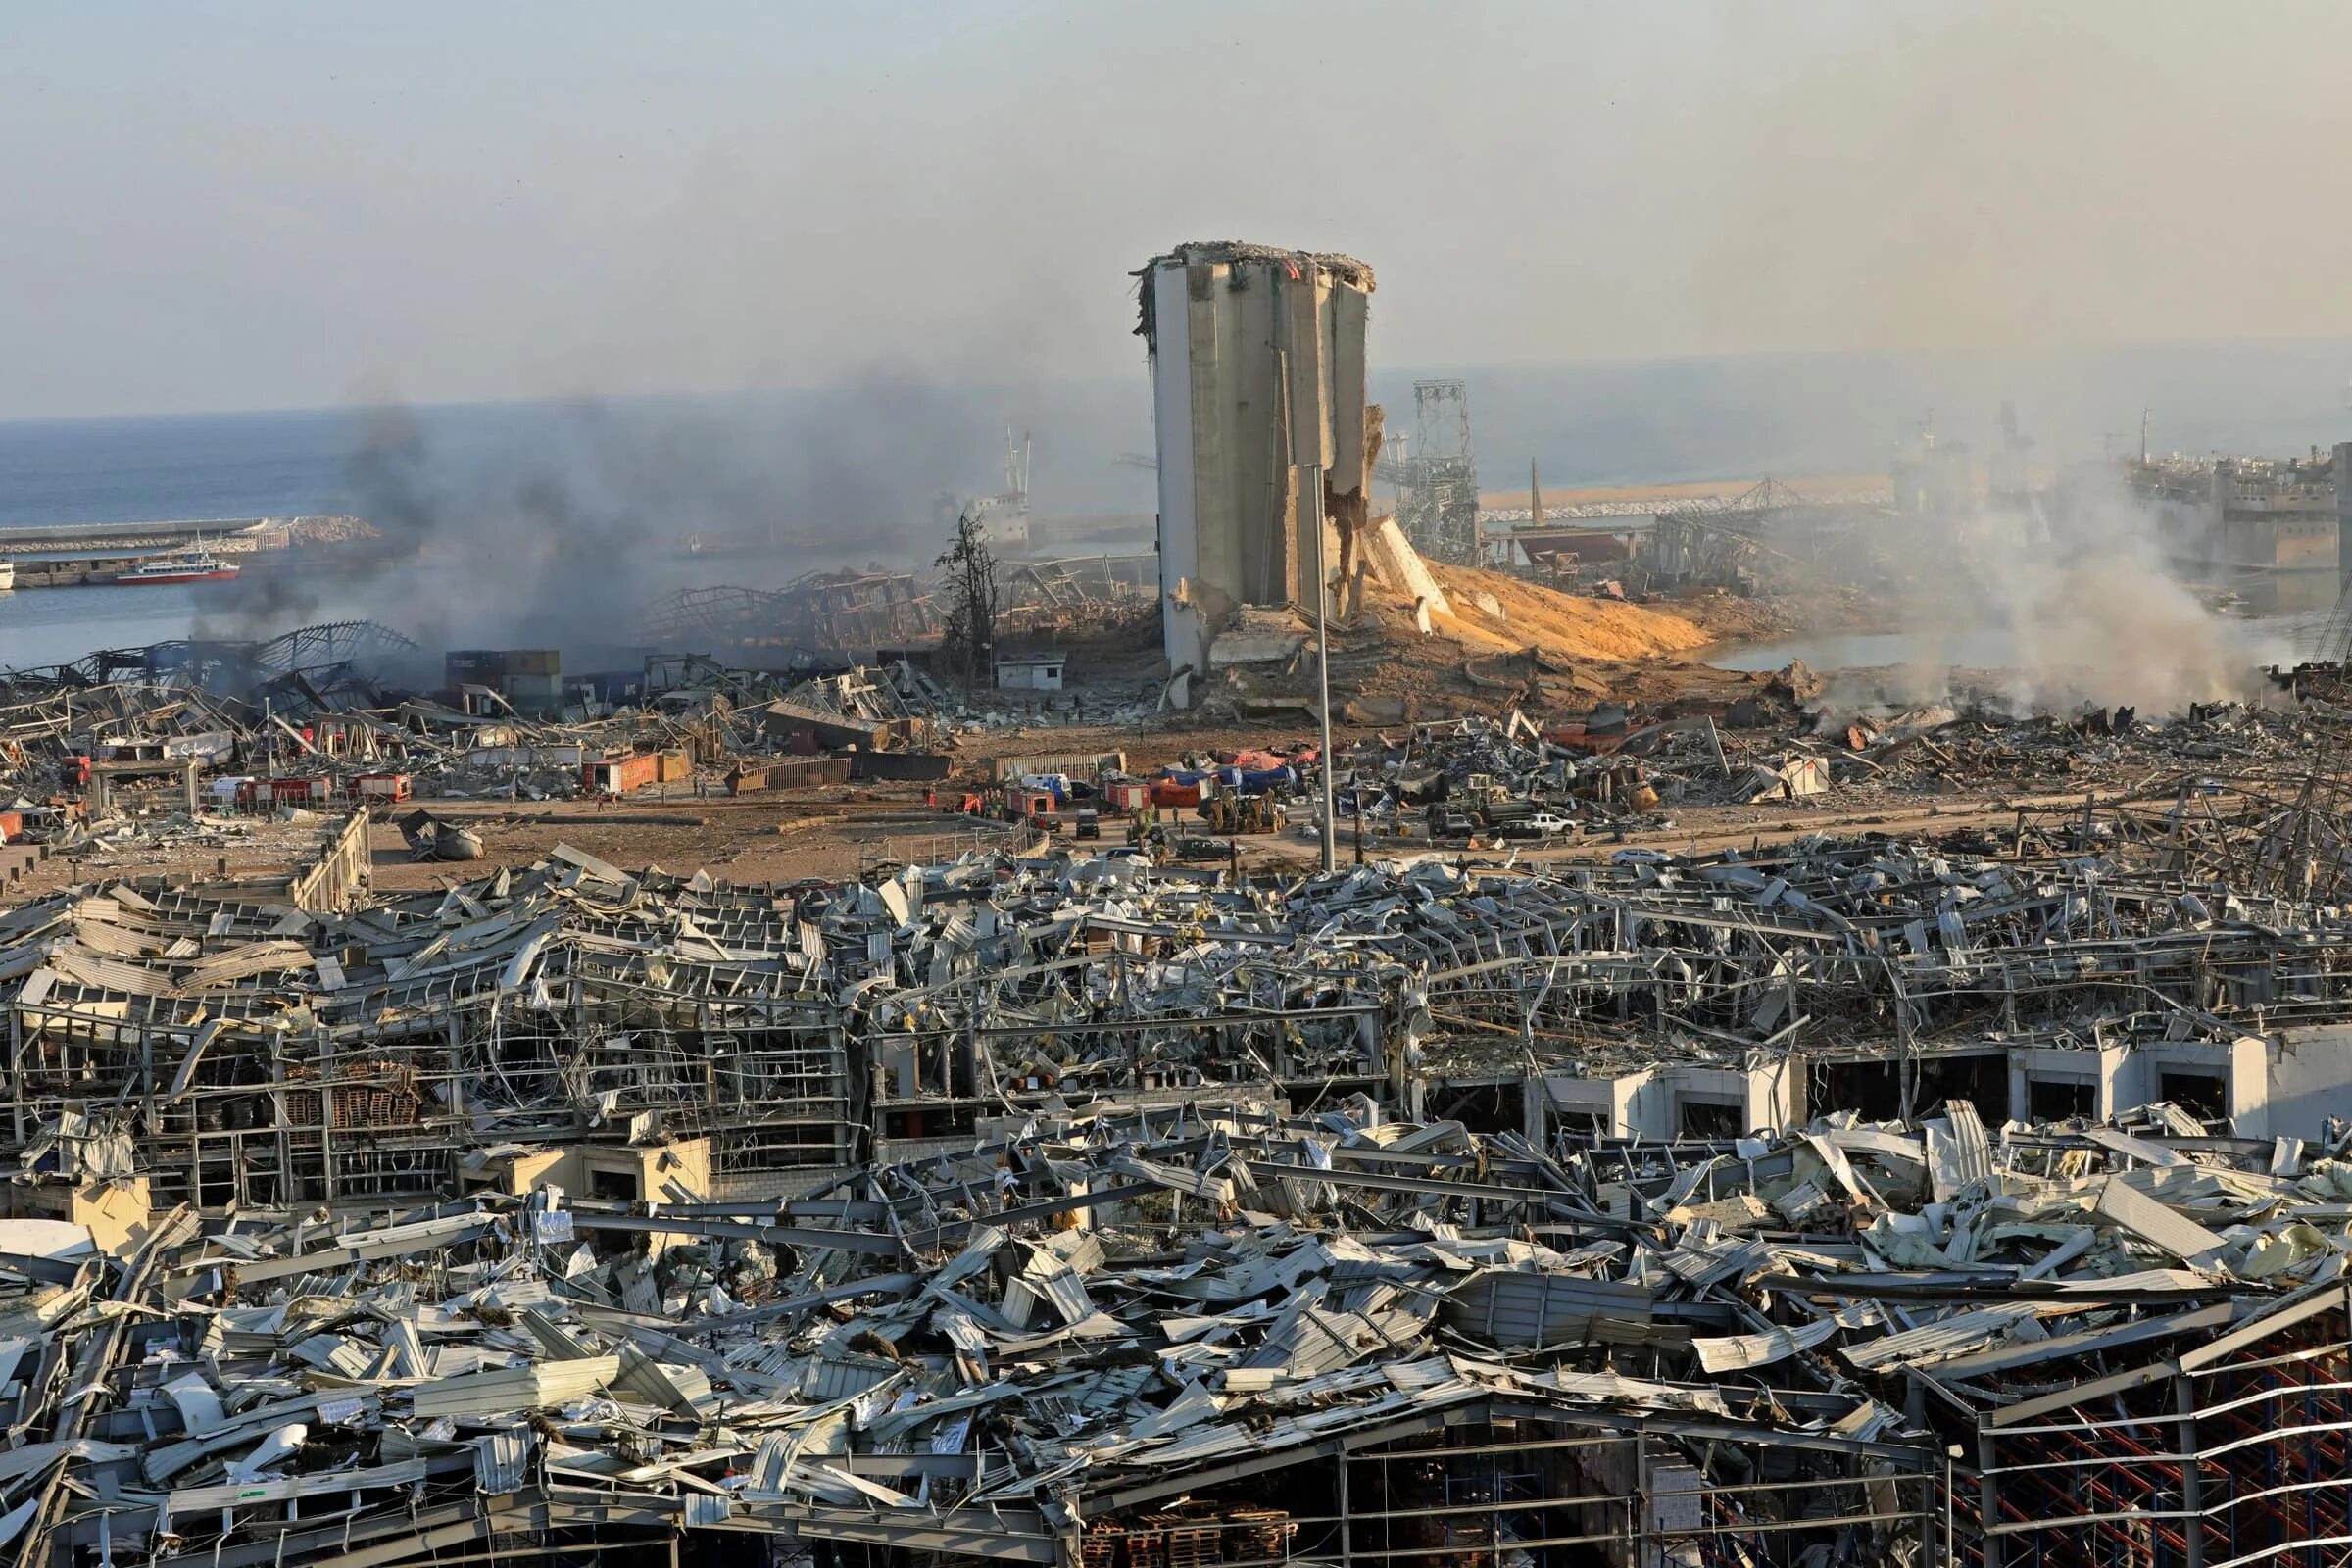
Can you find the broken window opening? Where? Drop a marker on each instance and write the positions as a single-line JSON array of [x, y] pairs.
[[2060, 1098], [1870, 1090], [614, 1185], [1980, 1078], [1583, 1122], [931, 1121], [1709, 1118], [2203, 1095], [1486, 1107]]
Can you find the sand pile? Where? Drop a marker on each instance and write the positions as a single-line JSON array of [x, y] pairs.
[[1557, 650], [1567, 625]]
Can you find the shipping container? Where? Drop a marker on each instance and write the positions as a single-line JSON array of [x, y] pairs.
[[474, 666], [620, 775], [537, 694], [382, 786]]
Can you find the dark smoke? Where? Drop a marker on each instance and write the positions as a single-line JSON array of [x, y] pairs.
[[554, 525], [538, 545], [257, 606]]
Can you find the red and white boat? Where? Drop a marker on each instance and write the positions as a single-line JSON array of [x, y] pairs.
[[200, 567]]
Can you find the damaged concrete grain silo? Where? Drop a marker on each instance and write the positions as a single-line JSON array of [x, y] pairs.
[[1257, 374]]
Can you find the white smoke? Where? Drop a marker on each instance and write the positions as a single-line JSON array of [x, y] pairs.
[[2075, 610]]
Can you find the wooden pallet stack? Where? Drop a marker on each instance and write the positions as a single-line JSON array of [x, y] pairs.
[[1099, 1546], [389, 1099], [1257, 1535]]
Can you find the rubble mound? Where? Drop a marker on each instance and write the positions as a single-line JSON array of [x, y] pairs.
[[1525, 613], [330, 530], [1410, 637]]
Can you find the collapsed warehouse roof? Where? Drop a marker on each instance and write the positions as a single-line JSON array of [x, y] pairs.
[[822, 614], [1009, 1355], [796, 1023], [1098, 1244], [324, 655], [1228, 1336]]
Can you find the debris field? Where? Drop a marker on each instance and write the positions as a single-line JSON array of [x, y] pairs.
[[1856, 1201]]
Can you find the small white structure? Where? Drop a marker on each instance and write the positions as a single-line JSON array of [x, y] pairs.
[[1670, 1099], [1029, 673]]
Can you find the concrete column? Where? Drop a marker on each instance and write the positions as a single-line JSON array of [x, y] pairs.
[[2344, 515]]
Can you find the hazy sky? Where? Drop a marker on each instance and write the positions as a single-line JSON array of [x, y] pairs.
[[267, 205]]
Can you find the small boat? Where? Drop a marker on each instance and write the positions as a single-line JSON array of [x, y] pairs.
[[8, 576], [198, 566]]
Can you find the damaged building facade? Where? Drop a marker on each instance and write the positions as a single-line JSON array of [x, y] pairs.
[[1257, 383]]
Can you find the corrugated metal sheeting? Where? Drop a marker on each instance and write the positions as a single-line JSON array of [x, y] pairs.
[[1540, 1310], [808, 773]]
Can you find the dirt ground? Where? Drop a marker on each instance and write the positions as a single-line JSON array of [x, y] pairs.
[[826, 835], [834, 834], [1520, 659]]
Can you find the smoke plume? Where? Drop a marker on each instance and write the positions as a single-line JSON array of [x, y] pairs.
[[2077, 604], [555, 525]]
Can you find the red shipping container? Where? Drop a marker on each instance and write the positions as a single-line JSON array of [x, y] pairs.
[[620, 776]]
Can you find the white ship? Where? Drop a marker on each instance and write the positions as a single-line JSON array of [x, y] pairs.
[[1004, 518], [187, 565], [8, 576]]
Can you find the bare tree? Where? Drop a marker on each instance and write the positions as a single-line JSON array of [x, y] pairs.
[[972, 598]]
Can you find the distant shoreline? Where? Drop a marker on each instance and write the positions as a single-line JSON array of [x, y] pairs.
[[1821, 487]]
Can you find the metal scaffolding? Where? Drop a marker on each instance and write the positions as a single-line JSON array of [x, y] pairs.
[[1437, 508]]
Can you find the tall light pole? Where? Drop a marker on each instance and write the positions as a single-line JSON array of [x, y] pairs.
[[1315, 512]]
